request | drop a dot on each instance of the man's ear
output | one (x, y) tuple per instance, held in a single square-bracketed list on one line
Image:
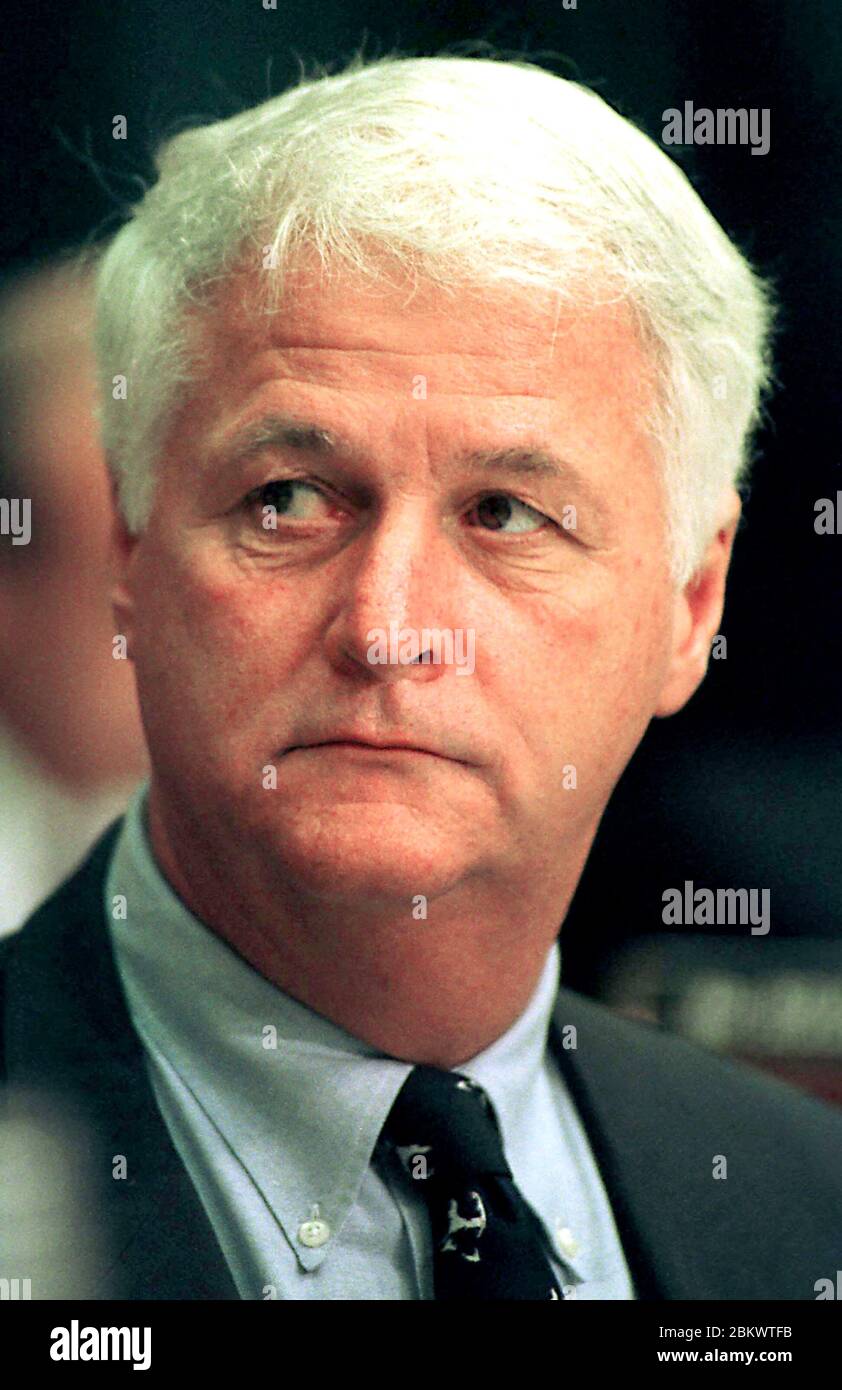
[(123, 545), (698, 611)]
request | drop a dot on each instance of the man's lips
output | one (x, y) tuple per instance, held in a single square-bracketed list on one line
[(366, 745), (363, 747)]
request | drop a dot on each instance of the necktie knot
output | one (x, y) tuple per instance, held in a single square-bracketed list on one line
[(443, 1126)]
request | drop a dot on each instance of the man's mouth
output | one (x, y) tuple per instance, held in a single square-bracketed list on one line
[(363, 746), (357, 742)]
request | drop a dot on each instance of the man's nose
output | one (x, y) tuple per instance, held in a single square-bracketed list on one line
[(402, 577)]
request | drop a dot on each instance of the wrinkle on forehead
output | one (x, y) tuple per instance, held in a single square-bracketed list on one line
[(531, 333)]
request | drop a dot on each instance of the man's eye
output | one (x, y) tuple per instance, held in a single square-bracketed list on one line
[(281, 496), (294, 499), (497, 508)]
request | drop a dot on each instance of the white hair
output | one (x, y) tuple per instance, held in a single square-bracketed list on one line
[(469, 171)]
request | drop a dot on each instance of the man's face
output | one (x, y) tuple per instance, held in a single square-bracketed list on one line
[(251, 644)]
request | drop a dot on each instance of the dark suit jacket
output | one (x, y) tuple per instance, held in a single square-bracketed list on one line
[(656, 1109)]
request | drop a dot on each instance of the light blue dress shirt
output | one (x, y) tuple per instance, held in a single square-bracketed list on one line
[(276, 1111)]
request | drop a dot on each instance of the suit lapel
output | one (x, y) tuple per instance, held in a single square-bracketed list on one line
[(69, 1031), (612, 1092), (657, 1112)]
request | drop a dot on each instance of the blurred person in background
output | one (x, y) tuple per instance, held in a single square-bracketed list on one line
[(70, 738)]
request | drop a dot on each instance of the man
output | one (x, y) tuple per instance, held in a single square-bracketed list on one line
[(430, 357), (71, 745)]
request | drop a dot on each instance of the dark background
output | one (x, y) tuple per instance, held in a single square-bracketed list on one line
[(743, 788)]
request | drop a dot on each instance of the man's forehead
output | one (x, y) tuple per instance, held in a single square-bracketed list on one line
[(350, 311), (521, 340)]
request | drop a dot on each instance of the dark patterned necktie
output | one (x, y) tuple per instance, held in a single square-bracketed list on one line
[(487, 1241)]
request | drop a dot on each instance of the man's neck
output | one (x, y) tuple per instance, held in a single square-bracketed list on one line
[(435, 989)]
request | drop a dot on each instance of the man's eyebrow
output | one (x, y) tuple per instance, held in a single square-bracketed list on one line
[(291, 432), (285, 431)]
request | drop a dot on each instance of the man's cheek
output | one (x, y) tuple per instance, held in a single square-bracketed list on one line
[(237, 665)]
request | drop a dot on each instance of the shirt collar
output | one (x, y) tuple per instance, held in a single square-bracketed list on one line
[(257, 1060)]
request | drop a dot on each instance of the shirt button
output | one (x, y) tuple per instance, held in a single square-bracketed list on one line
[(566, 1241), (314, 1232)]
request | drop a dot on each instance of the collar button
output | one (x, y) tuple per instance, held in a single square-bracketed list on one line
[(314, 1232)]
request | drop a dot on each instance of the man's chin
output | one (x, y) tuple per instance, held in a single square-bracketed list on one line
[(373, 851)]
